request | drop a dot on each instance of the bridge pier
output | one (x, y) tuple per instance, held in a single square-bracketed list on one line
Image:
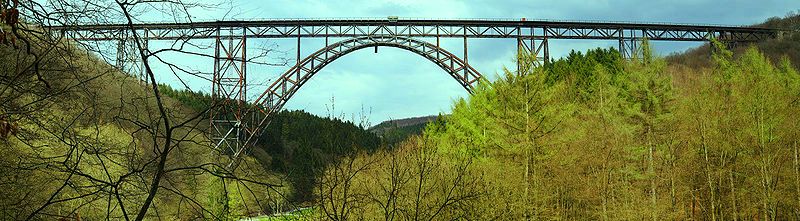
[(466, 58), (630, 43), (229, 90), (536, 47), (630, 49), (129, 60)]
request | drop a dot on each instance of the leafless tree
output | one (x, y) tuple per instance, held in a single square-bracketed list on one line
[(411, 182), (338, 198), (85, 168)]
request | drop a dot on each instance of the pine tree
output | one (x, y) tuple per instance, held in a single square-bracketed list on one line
[(652, 93)]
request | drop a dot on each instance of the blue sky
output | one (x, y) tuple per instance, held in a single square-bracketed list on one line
[(396, 84)]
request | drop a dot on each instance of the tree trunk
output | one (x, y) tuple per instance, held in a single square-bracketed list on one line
[(606, 183), (765, 187), (733, 195), (765, 179), (527, 153), (708, 171), (526, 179), (796, 178), (672, 185), (652, 173)]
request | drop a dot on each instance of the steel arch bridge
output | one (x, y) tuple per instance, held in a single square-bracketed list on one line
[(287, 84), (235, 124), (279, 92)]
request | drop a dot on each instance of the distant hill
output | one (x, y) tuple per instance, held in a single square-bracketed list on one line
[(395, 131), (787, 45), (405, 122)]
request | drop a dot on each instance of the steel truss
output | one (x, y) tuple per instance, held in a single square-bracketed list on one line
[(538, 49), (424, 28), (229, 90), (129, 60)]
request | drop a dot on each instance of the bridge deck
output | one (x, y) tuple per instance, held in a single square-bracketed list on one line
[(420, 28)]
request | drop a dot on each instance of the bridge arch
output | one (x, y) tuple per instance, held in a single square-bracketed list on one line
[(283, 88)]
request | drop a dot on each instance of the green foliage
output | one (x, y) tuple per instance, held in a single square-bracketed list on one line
[(578, 71), (595, 137), (302, 145), (197, 101), (746, 117), (296, 143), (786, 45)]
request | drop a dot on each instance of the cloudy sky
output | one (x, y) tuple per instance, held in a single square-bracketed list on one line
[(396, 84)]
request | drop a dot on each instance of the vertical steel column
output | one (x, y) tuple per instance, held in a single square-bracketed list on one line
[(140, 63), (326, 41), (546, 42), (629, 46), (217, 132), (121, 54), (243, 77), (519, 51), (298, 52), (437, 41), (528, 46), (129, 59), (466, 60), (636, 47), (214, 90), (522, 52), (543, 51), (728, 39), (621, 47)]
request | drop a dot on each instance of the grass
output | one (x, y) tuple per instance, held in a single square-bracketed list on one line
[(297, 215)]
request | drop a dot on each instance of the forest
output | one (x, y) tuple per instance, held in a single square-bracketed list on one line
[(595, 137), (592, 136), (296, 143)]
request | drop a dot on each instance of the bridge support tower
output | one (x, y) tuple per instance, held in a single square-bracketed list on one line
[(536, 47), (129, 60), (630, 44), (229, 90)]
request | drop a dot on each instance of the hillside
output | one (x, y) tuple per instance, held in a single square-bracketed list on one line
[(86, 140), (296, 144), (787, 45), (395, 131), (405, 122)]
